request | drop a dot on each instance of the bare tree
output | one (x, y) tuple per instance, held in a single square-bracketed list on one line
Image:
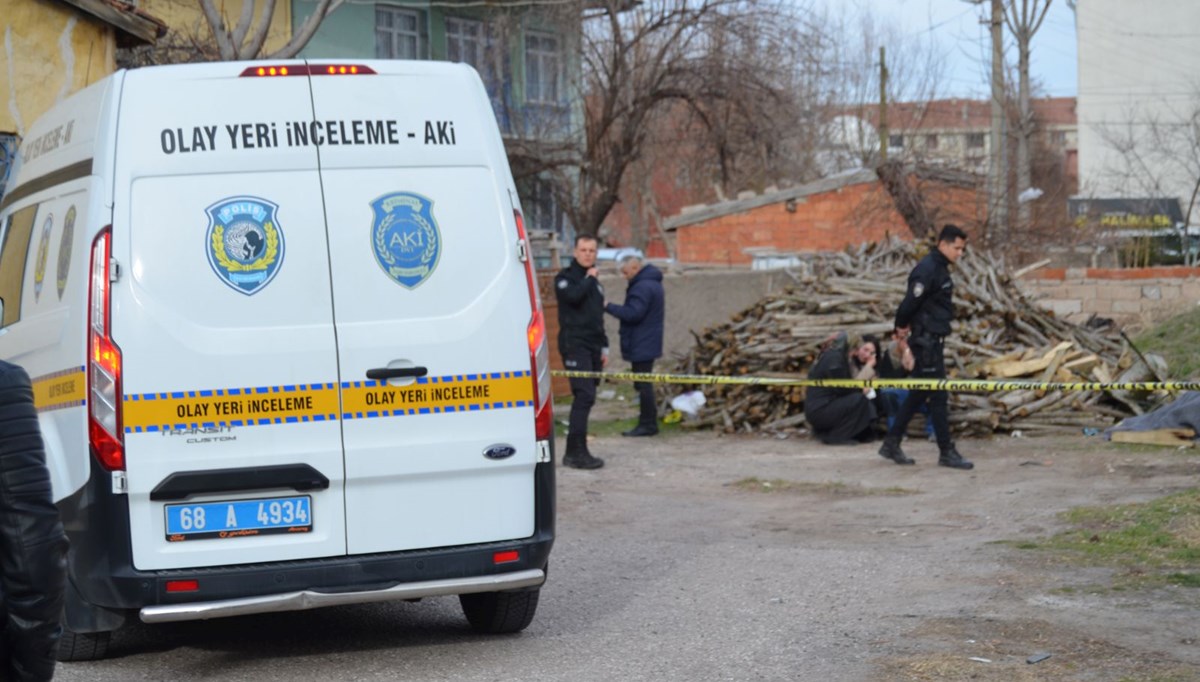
[(1024, 18), (850, 53), (658, 64), (213, 39)]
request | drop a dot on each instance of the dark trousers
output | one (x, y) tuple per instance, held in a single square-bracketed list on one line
[(647, 407), (583, 391), (928, 352)]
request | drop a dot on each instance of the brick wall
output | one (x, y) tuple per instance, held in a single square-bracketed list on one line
[(1127, 295), (829, 221)]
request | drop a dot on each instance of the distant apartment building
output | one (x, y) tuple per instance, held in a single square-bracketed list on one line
[(957, 132)]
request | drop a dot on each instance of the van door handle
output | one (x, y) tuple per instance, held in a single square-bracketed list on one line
[(384, 373)]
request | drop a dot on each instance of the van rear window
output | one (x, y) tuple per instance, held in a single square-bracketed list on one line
[(14, 254)]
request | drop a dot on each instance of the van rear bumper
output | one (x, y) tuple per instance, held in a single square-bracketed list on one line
[(105, 588), (310, 599)]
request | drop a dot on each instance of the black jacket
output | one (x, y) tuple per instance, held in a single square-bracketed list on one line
[(580, 310), (33, 547), (642, 316), (928, 305)]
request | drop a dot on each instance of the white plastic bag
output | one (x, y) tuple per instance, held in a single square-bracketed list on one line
[(689, 403)]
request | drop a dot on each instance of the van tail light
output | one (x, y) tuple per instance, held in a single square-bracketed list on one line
[(104, 362), (539, 349)]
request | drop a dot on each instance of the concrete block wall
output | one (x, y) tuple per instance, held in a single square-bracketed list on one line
[(1127, 295)]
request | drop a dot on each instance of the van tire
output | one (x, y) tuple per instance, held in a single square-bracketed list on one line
[(83, 646), (498, 613)]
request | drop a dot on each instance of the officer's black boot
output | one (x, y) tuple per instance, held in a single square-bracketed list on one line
[(950, 458), (577, 455), (891, 450)]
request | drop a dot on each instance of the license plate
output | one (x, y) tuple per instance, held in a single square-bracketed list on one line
[(239, 518)]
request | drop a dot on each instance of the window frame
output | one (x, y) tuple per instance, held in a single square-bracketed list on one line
[(536, 59), (17, 260), (419, 33)]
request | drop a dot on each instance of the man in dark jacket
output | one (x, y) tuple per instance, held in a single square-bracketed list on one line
[(924, 319), (582, 343), (33, 547), (641, 331)]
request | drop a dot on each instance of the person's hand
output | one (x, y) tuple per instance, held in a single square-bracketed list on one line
[(593, 271), (603, 361)]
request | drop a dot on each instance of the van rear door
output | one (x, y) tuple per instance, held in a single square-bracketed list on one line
[(222, 312), (431, 309)]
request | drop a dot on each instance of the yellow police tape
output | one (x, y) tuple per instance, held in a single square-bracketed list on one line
[(957, 385)]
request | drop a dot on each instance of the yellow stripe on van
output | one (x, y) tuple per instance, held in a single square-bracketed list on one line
[(150, 412), (436, 395), (60, 390), (154, 412)]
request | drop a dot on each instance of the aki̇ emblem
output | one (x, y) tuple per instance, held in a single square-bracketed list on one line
[(64, 251), (39, 268), (245, 243), (405, 237)]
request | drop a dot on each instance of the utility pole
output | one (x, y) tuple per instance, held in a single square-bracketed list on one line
[(883, 124), (998, 169)]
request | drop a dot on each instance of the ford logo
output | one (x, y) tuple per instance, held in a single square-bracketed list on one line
[(499, 451)]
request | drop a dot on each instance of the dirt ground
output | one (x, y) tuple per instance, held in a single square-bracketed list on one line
[(995, 604)]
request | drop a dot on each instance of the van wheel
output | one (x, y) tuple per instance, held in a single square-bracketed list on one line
[(83, 646), (498, 613)]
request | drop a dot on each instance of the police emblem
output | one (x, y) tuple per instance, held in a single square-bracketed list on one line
[(918, 289), (39, 268), (405, 237), (64, 251), (244, 243)]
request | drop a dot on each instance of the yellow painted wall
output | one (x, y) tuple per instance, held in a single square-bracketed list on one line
[(48, 51), (185, 18)]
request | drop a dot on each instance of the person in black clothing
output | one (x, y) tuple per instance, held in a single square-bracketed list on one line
[(582, 343), (641, 331), (923, 318), (840, 416), (33, 546)]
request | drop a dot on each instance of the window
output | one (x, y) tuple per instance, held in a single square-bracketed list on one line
[(469, 42), (399, 33), (931, 142), (544, 214), (14, 253), (8, 155), (896, 141), (975, 140), (543, 66), (1058, 138)]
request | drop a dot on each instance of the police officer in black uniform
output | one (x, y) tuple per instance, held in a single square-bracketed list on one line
[(582, 343), (924, 318)]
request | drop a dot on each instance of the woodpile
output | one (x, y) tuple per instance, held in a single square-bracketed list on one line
[(998, 334)]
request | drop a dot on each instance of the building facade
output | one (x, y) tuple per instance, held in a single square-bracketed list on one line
[(52, 49), (1139, 104), (527, 55)]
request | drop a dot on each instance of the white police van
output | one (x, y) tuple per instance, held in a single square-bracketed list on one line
[(286, 343)]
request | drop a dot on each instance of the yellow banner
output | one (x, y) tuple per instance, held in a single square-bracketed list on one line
[(60, 390), (432, 395), (152, 412), (230, 407)]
